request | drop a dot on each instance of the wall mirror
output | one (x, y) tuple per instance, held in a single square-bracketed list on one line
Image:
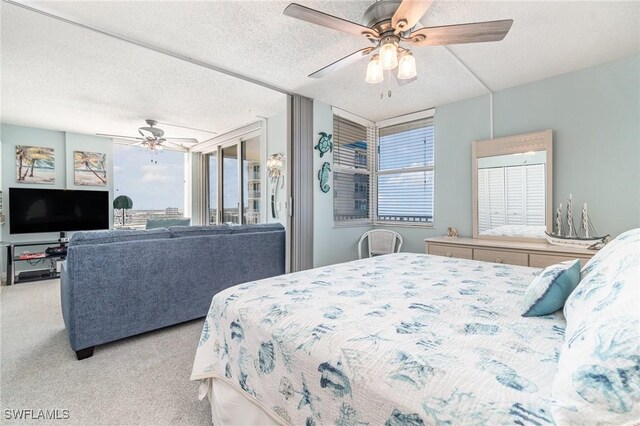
[(512, 186)]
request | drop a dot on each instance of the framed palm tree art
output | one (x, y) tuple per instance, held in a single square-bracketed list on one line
[(35, 164), (89, 168)]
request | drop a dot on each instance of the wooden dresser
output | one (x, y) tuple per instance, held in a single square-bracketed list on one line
[(539, 255)]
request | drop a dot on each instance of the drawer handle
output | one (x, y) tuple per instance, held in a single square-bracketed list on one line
[(499, 260), (448, 254)]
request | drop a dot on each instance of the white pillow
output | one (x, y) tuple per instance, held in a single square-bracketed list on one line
[(598, 379)]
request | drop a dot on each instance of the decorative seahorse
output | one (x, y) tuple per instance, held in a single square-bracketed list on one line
[(323, 177)]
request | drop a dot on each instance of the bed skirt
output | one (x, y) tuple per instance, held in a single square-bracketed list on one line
[(230, 406)]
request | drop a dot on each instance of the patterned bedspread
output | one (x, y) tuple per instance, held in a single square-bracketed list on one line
[(524, 231), (402, 339)]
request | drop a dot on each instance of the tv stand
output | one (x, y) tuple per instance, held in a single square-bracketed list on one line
[(33, 275)]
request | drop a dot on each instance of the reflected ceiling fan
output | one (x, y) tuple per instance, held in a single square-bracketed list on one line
[(153, 138), (389, 25)]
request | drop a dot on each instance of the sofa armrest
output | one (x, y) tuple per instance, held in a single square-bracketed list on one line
[(66, 301)]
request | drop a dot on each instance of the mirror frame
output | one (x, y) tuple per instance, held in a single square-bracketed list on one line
[(537, 141)]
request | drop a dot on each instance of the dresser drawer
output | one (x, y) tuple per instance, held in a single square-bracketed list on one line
[(544, 260), (497, 256), (448, 251)]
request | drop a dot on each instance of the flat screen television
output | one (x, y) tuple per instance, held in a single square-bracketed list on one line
[(57, 210)]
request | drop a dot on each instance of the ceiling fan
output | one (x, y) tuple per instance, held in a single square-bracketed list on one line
[(391, 23), (153, 138)]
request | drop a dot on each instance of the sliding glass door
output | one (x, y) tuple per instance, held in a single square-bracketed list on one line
[(230, 187), (235, 182), (212, 187), (251, 181)]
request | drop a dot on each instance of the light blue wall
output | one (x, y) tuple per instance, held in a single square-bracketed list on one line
[(277, 143), (64, 144), (330, 244), (595, 117)]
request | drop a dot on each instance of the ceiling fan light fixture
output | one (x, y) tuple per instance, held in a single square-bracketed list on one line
[(407, 66), (389, 55), (374, 71)]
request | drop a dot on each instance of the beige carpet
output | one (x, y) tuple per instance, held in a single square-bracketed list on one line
[(143, 380)]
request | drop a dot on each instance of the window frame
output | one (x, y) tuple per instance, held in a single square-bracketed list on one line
[(420, 115), (371, 133), (217, 144)]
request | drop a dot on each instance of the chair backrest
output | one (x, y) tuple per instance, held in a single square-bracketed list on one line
[(380, 241)]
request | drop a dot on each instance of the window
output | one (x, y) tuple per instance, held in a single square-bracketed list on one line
[(154, 180), (404, 172), (511, 195), (235, 181), (351, 179)]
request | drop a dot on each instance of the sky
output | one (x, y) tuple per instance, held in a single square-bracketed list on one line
[(153, 180)]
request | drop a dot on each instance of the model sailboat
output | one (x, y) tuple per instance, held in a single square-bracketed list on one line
[(586, 237)]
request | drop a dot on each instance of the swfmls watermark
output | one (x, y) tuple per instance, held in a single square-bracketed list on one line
[(36, 414)]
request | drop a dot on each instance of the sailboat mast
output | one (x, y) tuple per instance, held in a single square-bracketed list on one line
[(559, 220), (585, 220), (570, 216)]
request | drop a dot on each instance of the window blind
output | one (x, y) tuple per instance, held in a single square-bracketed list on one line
[(351, 179), (513, 195), (405, 172), (535, 203), (484, 214)]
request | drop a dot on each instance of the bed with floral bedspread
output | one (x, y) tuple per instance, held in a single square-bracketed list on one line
[(402, 339)]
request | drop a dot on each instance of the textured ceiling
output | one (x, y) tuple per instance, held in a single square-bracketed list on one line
[(67, 76)]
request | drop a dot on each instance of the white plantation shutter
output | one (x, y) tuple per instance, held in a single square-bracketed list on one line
[(405, 170), (351, 163), (535, 194), (496, 197), (484, 214), (514, 195)]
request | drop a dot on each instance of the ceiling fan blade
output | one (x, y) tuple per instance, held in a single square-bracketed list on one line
[(313, 16), (183, 140), (464, 33), (171, 145), (340, 63), (409, 13), (118, 136), (186, 127)]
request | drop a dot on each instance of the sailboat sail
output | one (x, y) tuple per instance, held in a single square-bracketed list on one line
[(585, 237)]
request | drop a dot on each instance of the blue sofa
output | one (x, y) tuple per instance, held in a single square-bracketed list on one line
[(116, 284)]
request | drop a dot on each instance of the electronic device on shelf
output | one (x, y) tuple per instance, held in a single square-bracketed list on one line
[(34, 210), (27, 256), (56, 251)]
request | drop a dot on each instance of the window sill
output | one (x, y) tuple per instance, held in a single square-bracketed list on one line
[(358, 224), (403, 225)]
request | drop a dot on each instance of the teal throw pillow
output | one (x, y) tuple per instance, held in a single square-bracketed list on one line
[(549, 291)]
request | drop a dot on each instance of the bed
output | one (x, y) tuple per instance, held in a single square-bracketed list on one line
[(401, 339), (520, 231)]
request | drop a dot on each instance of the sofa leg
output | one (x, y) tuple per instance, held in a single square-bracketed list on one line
[(85, 353)]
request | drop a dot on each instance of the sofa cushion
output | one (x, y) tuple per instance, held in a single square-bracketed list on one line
[(262, 227), (153, 223), (193, 231), (117, 235)]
